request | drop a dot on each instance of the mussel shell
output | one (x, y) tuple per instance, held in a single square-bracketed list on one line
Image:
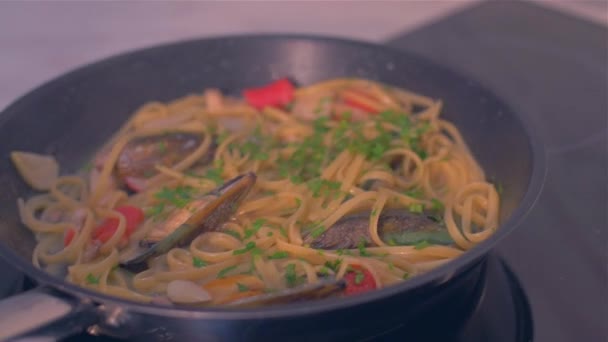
[(139, 157), (213, 211), (397, 226)]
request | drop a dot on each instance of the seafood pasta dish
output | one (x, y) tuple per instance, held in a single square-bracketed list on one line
[(281, 194)]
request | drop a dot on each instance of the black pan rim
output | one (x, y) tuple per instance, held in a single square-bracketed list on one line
[(437, 275)]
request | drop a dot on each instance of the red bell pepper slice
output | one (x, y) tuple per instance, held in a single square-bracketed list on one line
[(276, 94), (133, 217), (69, 236), (353, 97), (358, 280)]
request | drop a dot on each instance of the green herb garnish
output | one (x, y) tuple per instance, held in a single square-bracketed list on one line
[(242, 287), (155, 210), (290, 275), (362, 250), (249, 246), (255, 226), (317, 231), (91, 279), (333, 265), (179, 197), (198, 262), (279, 255), (359, 277), (233, 233), (422, 244), (222, 273), (416, 208), (215, 175), (437, 205)]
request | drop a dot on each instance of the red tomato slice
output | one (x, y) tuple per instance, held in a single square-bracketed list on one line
[(359, 280), (69, 236), (134, 216)]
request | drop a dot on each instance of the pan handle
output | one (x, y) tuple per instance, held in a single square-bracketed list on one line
[(44, 314)]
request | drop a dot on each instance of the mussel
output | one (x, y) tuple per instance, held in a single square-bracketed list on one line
[(203, 214), (322, 289), (395, 227), (138, 158)]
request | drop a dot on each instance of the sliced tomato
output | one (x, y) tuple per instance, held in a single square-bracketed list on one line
[(358, 280), (276, 94), (134, 216), (68, 236)]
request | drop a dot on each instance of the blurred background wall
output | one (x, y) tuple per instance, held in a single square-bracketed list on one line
[(40, 40)]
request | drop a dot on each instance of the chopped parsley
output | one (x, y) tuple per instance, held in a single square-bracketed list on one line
[(198, 262), (248, 247), (91, 279), (290, 275), (437, 205), (233, 233), (179, 197), (324, 271), (324, 187), (415, 193), (422, 244), (255, 226), (317, 231), (499, 188), (416, 208), (374, 212), (214, 174), (222, 273), (359, 277), (333, 265), (392, 242), (362, 250), (155, 210), (242, 287), (278, 255), (405, 276)]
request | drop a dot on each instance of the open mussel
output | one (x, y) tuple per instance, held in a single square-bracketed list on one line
[(395, 227), (137, 160), (200, 215)]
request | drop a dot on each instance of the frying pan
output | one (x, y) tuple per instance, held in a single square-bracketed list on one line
[(74, 114)]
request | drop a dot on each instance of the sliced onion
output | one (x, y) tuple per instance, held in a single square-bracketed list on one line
[(186, 292)]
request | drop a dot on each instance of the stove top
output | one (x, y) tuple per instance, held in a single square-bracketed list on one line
[(502, 314)]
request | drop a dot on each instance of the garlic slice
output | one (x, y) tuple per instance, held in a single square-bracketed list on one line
[(186, 292), (37, 170)]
